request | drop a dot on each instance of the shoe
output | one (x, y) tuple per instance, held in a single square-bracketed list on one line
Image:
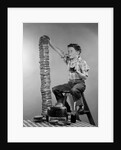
[(81, 108)]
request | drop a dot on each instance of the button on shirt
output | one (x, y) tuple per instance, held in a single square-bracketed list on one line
[(76, 64)]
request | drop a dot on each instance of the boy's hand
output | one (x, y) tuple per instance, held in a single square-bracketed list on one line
[(45, 36), (44, 39)]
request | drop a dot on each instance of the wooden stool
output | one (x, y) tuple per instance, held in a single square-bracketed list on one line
[(65, 93), (86, 108)]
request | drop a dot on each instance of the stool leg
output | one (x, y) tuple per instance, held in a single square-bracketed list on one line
[(66, 104), (65, 97), (89, 115), (71, 102)]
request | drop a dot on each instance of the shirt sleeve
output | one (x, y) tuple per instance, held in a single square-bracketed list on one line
[(82, 67), (85, 68), (65, 58)]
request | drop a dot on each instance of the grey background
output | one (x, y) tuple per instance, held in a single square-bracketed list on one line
[(61, 34)]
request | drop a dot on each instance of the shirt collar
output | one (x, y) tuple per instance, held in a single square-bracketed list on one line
[(78, 57)]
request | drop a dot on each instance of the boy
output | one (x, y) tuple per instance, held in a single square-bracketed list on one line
[(78, 73)]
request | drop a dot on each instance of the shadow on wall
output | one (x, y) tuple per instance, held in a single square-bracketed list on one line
[(61, 34)]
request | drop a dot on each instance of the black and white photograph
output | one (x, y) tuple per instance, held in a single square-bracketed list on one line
[(60, 71), (60, 74)]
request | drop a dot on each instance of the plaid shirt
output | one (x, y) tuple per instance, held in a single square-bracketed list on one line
[(76, 64)]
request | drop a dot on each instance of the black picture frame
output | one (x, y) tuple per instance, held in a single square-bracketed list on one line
[(3, 9)]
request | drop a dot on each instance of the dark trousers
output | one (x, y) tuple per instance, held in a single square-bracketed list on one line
[(75, 87)]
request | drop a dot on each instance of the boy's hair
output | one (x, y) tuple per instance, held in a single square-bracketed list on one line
[(75, 46)]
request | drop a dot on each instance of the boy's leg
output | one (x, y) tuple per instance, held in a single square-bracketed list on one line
[(77, 90), (58, 91)]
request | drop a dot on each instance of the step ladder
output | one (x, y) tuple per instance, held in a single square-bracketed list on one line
[(86, 108)]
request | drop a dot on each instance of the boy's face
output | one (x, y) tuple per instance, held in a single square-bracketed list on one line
[(72, 52)]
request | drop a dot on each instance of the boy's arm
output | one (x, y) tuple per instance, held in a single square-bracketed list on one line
[(82, 75), (83, 71), (59, 51)]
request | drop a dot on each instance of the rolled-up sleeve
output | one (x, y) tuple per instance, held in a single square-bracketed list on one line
[(85, 68)]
